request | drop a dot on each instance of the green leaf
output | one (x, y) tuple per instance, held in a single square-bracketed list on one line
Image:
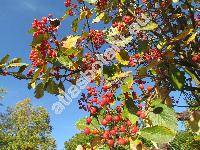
[(109, 71), (81, 124), (75, 25), (22, 68), (39, 90), (142, 71), (123, 1), (157, 134), (98, 18), (31, 31), (162, 115), (66, 14), (127, 83), (4, 59), (193, 76), (142, 46), (36, 75), (52, 87), (177, 78), (126, 114), (64, 60), (41, 37)]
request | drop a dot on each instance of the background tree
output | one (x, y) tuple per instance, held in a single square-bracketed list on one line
[(26, 128), (149, 52)]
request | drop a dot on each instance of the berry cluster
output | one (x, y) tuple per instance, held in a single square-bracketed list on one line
[(38, 56), (127, 19), (42, 27), (35, 57), (152, 54), (97, 37), (120, 26), (115, 128)]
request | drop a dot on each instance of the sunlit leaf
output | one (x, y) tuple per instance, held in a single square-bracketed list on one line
[(17, 65), (132, 117), (182, 35), (70, 42), (91, 1), (158, 134), (98, 18), (81, 124), (127, 84), (162, 115)]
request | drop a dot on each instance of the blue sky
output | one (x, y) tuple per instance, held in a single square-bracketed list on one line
[(15, 19)]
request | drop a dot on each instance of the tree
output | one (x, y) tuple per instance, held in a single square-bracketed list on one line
[(26, 128), (78, 139), (133, 57)]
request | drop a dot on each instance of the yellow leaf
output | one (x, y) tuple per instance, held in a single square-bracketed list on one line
[(161, 44), (150, 26), (122, 57), (98, 18), (182, 35), (136, 145), (121, 75), (191, 38), (175, 1), (70, 42)]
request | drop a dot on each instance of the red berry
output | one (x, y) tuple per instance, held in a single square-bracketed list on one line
[(88, 120), (104, 122), (105, 88), (110, 142), (93, 110), (116, 118), (137, 56), (129, 123), (108, 118), (122, 129), (149, 88), (141, 86), (94, 132), (121, 141), (132, 63), (87, 131), (140, 105), (113, 132), (134, 129), (142, 115), (139, 113), (106, 134)]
